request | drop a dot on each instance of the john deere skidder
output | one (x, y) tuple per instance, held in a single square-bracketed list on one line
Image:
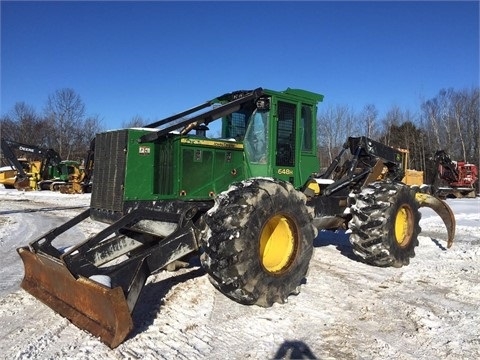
[(249, 203)]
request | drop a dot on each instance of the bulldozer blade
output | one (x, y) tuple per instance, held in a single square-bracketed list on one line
[(442, 209), (96, 308)]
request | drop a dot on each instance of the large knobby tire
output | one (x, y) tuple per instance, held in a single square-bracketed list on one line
[(385, 224), (258, 241)]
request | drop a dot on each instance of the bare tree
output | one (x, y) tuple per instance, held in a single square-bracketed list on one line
[(465, 113), (368, 119), (472, 110), (458, 114), (136, 121), (22, 124), (393, 117), (334, 126), (83, 135), (66, 111), (452, 123), (64, 126)]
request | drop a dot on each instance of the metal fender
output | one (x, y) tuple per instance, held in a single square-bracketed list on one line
[(442, 209)]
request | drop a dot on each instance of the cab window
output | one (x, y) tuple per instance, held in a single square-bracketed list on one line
[(306, 128), (286, 135), (256, 139)]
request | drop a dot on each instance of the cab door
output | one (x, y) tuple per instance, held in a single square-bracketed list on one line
[(294, 142), (284, 140)]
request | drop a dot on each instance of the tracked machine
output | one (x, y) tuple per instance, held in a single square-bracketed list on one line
[(48, 173), (249, 204)]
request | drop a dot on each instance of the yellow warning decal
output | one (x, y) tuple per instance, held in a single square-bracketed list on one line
[(213, 143)]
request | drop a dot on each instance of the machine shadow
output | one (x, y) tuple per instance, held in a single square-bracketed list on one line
[(294, 349), (152, 297), (337, 238)]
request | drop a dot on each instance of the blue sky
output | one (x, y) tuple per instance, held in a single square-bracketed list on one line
[(154, 59)]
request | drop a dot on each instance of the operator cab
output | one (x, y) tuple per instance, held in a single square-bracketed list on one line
[(278, 132)]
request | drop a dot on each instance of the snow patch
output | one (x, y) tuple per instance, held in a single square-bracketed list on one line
[(346, 310)]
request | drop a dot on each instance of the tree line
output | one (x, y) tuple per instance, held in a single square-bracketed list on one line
[(64, 125), (449, 121)]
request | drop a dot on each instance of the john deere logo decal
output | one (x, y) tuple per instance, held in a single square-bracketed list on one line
[(144, 150)]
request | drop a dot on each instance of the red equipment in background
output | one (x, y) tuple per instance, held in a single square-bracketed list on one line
[(454, 178)]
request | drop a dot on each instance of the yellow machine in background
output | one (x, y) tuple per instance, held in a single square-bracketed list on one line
[(49, 173), (412, 177), (8, 175)]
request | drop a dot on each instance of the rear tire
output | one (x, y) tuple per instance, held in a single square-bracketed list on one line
[(258, 241), (385, 224)]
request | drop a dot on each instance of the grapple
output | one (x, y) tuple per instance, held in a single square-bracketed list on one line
[(72, 282), (442, 209)]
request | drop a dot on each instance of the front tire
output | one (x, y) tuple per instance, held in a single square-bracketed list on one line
[(258, 241), (385, 224)]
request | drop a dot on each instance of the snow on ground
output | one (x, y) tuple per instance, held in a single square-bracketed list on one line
[(346, 309)]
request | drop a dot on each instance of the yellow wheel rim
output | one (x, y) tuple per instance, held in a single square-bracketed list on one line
[(404, 226), (278, 242)]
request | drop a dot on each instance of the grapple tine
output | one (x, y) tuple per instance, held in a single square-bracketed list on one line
[(89, 305), (442, 209)]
